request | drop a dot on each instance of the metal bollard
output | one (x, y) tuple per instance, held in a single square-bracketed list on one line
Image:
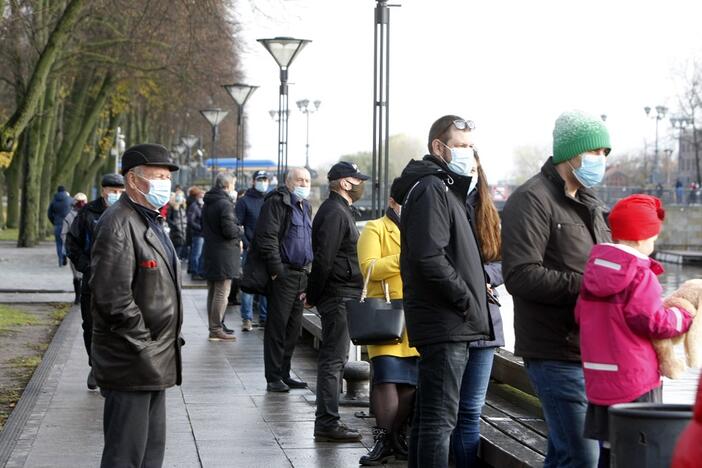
[(357, 377)]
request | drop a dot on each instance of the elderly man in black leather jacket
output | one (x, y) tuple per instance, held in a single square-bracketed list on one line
[(137, 312)]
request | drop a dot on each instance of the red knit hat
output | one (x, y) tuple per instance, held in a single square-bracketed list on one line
[(636, 217)]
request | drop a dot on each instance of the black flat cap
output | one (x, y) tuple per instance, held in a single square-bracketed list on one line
[(146, 154), (112, 180), (345, 169)]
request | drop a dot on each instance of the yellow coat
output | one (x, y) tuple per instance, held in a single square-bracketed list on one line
[(380, 241)]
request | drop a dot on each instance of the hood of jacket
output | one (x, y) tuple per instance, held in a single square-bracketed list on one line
[(283, 192), (216, 194), (61, 196), (431, 165), (612, 267)]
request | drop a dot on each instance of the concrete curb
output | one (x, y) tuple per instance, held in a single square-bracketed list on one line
[(37, 385)]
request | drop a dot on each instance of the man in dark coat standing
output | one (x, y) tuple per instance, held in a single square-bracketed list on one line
[(137, 312), (222, 251), (283, 241), (59, 207), (335, 279), (445, 290), (79, 242), (248, 209)]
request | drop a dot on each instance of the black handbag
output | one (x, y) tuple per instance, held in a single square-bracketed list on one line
[(374, 321)]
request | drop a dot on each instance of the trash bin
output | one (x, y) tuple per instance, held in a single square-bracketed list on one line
[(643, 435)]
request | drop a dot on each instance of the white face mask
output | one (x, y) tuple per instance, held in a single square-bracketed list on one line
[(462, 159), (261, 186), (233, 195)]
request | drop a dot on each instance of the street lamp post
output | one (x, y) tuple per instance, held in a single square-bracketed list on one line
[(119, 147), (179, 150), (660, 115), (240, 93), (214, 116), (189, 141), (284, 50), (305, 108)]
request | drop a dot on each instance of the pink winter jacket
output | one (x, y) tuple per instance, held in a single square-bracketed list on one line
[(619, 310)]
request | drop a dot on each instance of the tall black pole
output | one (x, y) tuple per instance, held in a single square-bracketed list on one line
[(283, 125), (214, 154), (381, 118)]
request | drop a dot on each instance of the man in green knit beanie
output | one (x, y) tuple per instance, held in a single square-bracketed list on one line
[(549, 226)]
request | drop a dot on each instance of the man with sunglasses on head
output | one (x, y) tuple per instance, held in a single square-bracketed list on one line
[(445, 291), (335, 278), (549, 225)]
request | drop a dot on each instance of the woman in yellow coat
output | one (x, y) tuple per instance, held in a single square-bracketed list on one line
[(394, 366)]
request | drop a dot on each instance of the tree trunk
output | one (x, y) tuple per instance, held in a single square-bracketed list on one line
[(11, 130), (13, 177), (2, 181), (48, 154), (31, 184)]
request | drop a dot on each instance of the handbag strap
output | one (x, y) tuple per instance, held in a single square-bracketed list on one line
[(386, 288)]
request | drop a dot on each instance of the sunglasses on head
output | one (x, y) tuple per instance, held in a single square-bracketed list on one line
[(461, 124)]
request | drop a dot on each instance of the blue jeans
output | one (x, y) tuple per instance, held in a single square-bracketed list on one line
[(59, 243), (466, 436), (441, 369), (195, 266), (248, 299), (560, 386)]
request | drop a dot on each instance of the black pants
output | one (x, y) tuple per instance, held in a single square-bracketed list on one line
[(86, 315), (441, 368), (333, 354), (135, 429), (283, 323)]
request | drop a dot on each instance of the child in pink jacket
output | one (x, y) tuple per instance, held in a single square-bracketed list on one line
[(619, 311)]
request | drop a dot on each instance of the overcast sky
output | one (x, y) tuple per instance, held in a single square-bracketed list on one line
[(510, 65)]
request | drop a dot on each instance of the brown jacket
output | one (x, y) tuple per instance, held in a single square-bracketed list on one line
[(136, 304)]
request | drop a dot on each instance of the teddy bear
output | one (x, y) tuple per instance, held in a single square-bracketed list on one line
[(688, 297)]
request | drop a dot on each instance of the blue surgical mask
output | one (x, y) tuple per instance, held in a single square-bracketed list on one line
[(261, 186), (112, 198), (591, 170), (179, 198), (159, 191), (302, 192), (462, 160)]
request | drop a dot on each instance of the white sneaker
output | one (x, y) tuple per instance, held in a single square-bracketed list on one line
[(246, 325)]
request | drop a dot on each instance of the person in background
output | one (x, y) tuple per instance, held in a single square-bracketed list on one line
[(394, 366), (59, 207), (195, 227), (485, 220), (177, 220), (222, 251), (549, 226), (619, 311), (79, 242), (335, 278), (248, 209), (679, 192), (79, 201), (283, 242), (137, 311)]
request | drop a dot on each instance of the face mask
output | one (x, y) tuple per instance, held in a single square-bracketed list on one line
[(200, 201), (473, 183), (159, 191), (302, 192), (179, 199), (233, 195), (261, 186), (591, 170), (356, 192), (462, 160), (112, 198)]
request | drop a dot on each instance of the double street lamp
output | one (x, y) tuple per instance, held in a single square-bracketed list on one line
[(660, 115), (214, 117), (284, 50), (240, 93), (307, 109)]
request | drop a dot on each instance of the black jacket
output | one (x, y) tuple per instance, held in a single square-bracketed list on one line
[(222, 235), (178, 223), (79, 239), (546, 241), (136, 304), (248, 209), (195, 219), (445, 295), (335, 270), (59, 207)]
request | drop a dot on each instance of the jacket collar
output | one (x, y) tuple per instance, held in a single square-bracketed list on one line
[(584, 195), (339, 199), (392, 229)]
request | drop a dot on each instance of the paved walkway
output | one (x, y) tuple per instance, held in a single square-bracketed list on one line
[(220, 417)]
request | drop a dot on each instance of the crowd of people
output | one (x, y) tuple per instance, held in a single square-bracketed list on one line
[(582, 283)]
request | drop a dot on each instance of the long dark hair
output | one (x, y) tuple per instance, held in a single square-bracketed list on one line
[(487, 220)]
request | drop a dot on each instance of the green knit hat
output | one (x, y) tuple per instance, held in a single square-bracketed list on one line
[(576, 132)]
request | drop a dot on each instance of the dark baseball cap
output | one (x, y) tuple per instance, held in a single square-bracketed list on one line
[(146, 154), (260, 175), (345, 169), (112, 180)]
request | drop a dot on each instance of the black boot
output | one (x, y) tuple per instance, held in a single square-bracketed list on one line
[(399, 444), (382, 449), (76, 288)]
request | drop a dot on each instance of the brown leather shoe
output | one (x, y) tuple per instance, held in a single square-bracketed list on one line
[(221, 336)]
